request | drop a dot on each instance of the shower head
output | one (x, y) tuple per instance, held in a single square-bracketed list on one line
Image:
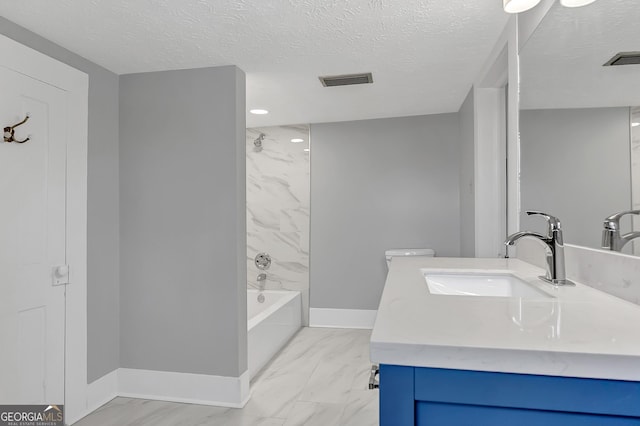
[(257, 143)]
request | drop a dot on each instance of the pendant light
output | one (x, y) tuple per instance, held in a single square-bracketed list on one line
[(517, 6), (575, 3)]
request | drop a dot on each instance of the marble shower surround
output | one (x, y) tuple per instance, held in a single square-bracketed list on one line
[(278, 189)]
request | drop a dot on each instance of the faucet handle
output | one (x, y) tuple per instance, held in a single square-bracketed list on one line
[(552, 221), (613, 222)]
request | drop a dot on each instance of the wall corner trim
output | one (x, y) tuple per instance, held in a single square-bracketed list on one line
[(102, 390), (342, 318)]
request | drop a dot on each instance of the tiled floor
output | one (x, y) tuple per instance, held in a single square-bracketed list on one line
[(320, 378)]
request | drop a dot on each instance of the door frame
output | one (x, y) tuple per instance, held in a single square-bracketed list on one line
[(37, 65), (496, 133)]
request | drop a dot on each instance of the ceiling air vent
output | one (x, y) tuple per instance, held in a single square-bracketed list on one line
[(346, 79), (624, 58)]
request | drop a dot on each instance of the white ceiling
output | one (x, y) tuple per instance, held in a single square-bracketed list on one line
[(424, 54), (561, 64)]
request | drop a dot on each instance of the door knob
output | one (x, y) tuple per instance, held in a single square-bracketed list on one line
[(61, 275), (62, 271)]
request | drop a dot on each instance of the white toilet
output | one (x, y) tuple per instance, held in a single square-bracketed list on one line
[(374, 378), (391, 253)]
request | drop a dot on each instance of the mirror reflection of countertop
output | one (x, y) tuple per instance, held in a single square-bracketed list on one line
[(568, 331)]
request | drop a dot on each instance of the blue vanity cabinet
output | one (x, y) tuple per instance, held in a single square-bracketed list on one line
[(441, 397)]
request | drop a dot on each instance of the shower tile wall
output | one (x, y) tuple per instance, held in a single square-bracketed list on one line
[(278, 208), (635, 172)]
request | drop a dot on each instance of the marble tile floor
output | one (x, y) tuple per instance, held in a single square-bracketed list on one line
[(320, 378)]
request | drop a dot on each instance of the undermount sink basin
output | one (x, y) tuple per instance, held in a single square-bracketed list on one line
[(483, 285)]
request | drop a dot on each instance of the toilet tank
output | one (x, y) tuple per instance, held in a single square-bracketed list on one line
[(391, 253)]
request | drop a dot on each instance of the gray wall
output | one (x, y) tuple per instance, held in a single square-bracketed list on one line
[(182, 218), (375, 185), (575, 164), (467, 178), (103, 263)]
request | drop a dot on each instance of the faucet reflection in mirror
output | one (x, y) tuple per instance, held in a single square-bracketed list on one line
[(611, 238), (556, 274)]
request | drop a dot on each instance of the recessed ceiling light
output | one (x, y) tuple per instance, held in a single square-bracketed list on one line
[(635, 124), (259, 111), (306, 150), (297, 140)]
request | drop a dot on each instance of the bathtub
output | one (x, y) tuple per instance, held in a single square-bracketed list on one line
[(270, 324)]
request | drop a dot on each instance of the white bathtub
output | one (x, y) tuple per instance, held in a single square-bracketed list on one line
[(270, 324)]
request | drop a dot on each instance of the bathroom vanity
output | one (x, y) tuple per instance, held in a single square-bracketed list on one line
[(486, 342)]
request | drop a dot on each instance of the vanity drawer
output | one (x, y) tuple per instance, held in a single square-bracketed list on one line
[(528, 391)]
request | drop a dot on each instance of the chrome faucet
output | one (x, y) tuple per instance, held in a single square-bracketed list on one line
[(555, 248), (611, 238)]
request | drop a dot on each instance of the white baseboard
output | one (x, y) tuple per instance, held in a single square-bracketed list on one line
[(342, 318), (201, 389)]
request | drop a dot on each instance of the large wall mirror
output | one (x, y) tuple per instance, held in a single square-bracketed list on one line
[(580, 120)]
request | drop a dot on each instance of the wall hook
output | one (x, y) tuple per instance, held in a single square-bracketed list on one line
[(9, 132)]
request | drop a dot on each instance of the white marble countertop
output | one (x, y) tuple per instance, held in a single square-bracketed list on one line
[(577, 332)]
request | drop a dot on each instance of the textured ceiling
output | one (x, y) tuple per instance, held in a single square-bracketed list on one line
[(424, 54), (561, 64)]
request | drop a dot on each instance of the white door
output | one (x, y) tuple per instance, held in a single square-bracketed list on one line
[(32, 241)]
